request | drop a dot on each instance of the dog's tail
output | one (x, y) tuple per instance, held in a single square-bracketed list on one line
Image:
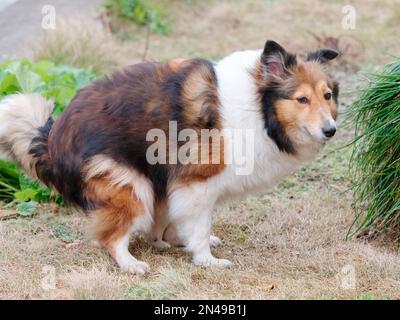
[(25, 123)]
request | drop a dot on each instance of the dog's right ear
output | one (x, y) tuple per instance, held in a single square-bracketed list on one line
[(276, 60), (322, 55)]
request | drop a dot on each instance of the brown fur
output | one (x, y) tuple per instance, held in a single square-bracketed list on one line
[(213, 162), (301, 79), (112, 117), (110, 181), (313, 84), (119, 208)]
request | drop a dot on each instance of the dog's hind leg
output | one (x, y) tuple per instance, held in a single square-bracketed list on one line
[(118, 214), (159, 226)]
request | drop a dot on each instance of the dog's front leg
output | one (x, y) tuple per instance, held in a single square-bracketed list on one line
[(190, 209)]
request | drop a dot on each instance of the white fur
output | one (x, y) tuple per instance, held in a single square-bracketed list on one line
[(20, 117), (240, 109), (126, 261), (190, 210), (191, 207)]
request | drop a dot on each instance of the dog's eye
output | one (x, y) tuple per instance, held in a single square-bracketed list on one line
[(302, 100), (328, 96)]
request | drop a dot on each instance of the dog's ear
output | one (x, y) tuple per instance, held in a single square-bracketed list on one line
[(276, 60), (322, 55)]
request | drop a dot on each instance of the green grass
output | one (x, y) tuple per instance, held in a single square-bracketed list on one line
[(375, 160)]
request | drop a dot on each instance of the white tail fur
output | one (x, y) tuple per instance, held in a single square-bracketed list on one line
[(20, 117)]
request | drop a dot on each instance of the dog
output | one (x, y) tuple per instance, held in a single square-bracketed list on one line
[(100, 154)]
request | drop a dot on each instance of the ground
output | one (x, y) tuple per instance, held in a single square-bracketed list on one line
[(289, 242)]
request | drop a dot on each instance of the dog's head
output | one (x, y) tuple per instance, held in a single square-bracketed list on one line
[(298, 98)]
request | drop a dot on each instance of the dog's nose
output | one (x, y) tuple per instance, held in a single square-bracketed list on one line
[(329, 131)]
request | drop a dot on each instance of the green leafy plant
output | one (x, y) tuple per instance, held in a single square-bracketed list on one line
[(139, 12), (375, 162), (64, 232), (15, 186), (27, 209), (54, 82), (59, 83)]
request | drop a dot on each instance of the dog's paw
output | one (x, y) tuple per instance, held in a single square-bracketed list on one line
[(135, 267), (208, 261), (160, 244), (215, 241)]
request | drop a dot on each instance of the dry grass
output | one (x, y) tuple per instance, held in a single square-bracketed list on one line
[(287, 243), (214, 28), (83, 43)]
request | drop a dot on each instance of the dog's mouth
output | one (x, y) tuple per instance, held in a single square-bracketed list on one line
[(321, 140)]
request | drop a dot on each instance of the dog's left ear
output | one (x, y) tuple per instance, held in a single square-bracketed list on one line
[(322, 55), (276, 60)]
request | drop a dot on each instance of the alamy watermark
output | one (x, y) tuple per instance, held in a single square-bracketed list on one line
[(206, 146), (48, 17), (349, 19), (347, 277), (49, 280)]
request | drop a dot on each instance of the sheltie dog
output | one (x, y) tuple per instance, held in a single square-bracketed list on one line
[(113, 153)]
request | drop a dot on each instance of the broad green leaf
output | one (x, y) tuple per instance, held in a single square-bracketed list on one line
[(10, 169), (25, 195), (63, 96), (42, 68), (5, 64), (27, 209), (43, 194), (79, 77), (28, 80), (26, 183), (83, 78), (8, 83), (13, 66)]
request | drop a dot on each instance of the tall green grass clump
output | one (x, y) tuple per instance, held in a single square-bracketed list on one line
[(375, 161)]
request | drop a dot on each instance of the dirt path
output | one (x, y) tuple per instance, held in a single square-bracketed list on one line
[(20, 22)]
